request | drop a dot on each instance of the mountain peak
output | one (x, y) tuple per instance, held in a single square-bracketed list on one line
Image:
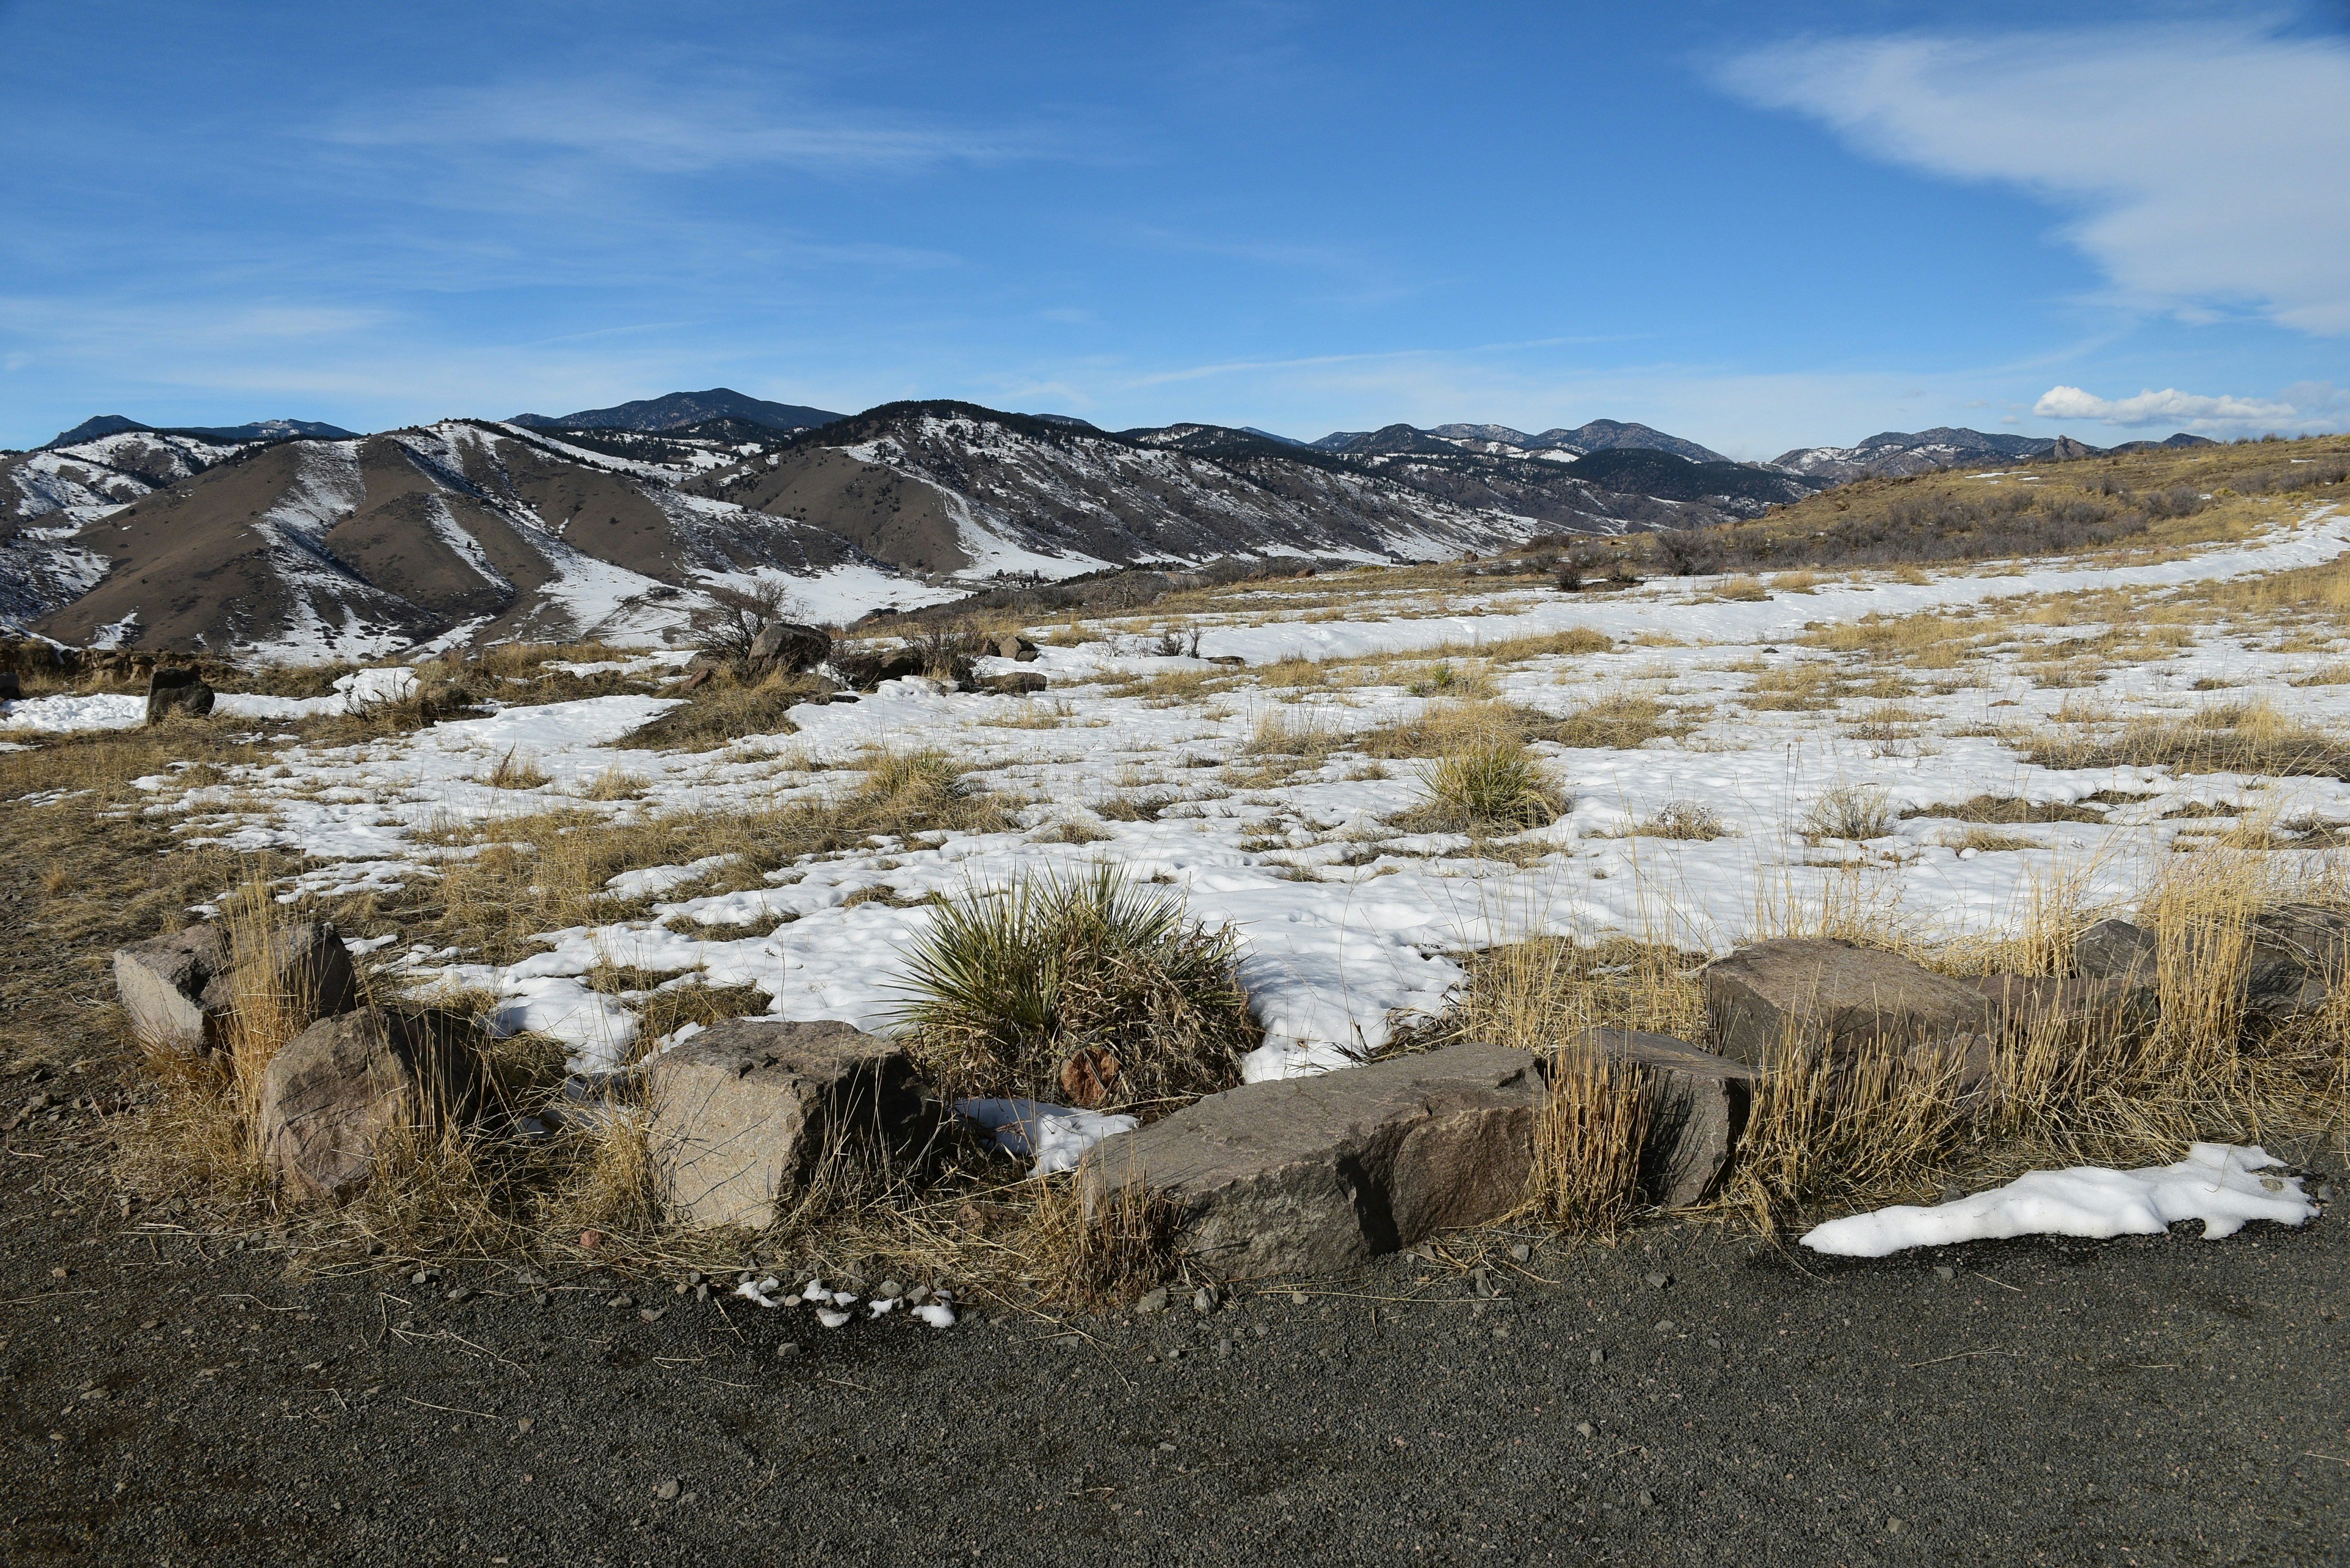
[(675, 410)]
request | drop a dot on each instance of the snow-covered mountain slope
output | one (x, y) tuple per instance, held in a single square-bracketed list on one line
[(447, 531), (1899, 452), (90, 476), (1557, 445), (954, 489), (680, 409)]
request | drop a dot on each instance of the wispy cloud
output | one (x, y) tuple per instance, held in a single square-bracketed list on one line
[(617, 124), (2316, 406), (2202, 164)]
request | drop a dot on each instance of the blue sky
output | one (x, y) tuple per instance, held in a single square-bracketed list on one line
[(1757, 227)]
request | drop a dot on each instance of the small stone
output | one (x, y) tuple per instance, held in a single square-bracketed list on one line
[(918, 1295), (1952, 1193), (1659, 1281), (1223, 1348), (1598, 1358), (1503, 1332), (1153, 1300), (1586, 1429), (1297, 1298), (1520, 1252), (1261, 1331), (2325, 1192), (1894, 1527), (1203, 1300), (1647, 1498), (666, 1491), (421, 1277), (524, 1425), (59, 1273), (541, 1298), (623, 1302), (1669, 1326), (651, 1315), (1481, 1281), (889, 1288), (1944, 1272), (788, 1351), (460, 1294), (591, 1239), (148, 1324)]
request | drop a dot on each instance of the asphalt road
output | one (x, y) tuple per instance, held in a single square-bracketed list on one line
[(2150, 1400)]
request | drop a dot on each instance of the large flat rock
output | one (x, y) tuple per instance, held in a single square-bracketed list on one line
[(743, 1113), (178, 989), (1845, 997), (1316, 1175)]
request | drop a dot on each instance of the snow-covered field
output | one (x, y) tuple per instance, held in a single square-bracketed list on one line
[(1349, 922)]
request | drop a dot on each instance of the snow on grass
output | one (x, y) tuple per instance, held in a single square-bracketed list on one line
[(1348, 920), (2219, 1184)]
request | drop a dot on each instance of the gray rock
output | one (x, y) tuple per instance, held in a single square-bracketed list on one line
[(1011, 645), (2114, 950), (743, 1111), (178, 989), (666, 1491), (174, 688), (2078, 1008), (1845, 997), (164, 983), (335, 1091), (787, 646), (1015, 683), (1316, 1175), (1701, 1102), (2299, 953), (1520, 1252)]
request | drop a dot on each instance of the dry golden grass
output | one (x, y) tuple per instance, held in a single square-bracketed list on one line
[(2252, 736), (1589, 1134)]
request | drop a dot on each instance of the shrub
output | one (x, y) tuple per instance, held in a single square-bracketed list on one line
[(1489, 783), (1009, 987), (1850, 812)]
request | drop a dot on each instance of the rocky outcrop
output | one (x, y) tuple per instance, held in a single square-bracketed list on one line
[(746, 1111), (1318, 1174), (787, 647), (178, 989), (2073, 1009), (1013, 683), (336, 1093), (2299, 953), (1011, 645), (175, 689)]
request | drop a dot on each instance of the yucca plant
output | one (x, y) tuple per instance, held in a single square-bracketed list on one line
[(1084, 985)]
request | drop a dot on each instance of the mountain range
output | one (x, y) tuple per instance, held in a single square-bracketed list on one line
[(1897, 453), (295, 540)]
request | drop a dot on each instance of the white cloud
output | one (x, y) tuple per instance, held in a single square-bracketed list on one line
[(2319, 409), (2203, 163)]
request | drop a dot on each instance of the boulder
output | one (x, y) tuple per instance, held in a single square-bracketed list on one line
[(789, 646), (698, 679), (1229, 660), (1844, 996), (12, 686), (2025, 1003), (2112, 949), (2298, 953), (745, 1110), (1016, 683), (175, 988), (1318, 1174), (1011, 645), (1701, 1104), (175, 689), (335, 1091), (178, 989)]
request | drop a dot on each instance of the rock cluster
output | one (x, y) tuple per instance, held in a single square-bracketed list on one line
[(178, 989)]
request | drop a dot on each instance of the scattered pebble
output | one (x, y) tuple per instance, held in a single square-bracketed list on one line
[(1944, 1272), (1153, 1300), (1586, 1429), (666, 1491), (524, 1425), (1647, 1498), (1894, 1527), (1667, 1325), (1520, 1252), (1598, 1357), (651, 1315), (890, 1288), (1203, 1300), (591, 1239), (788, 1351), (622, 1300), (1297, 1298), (1659, 1281)]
